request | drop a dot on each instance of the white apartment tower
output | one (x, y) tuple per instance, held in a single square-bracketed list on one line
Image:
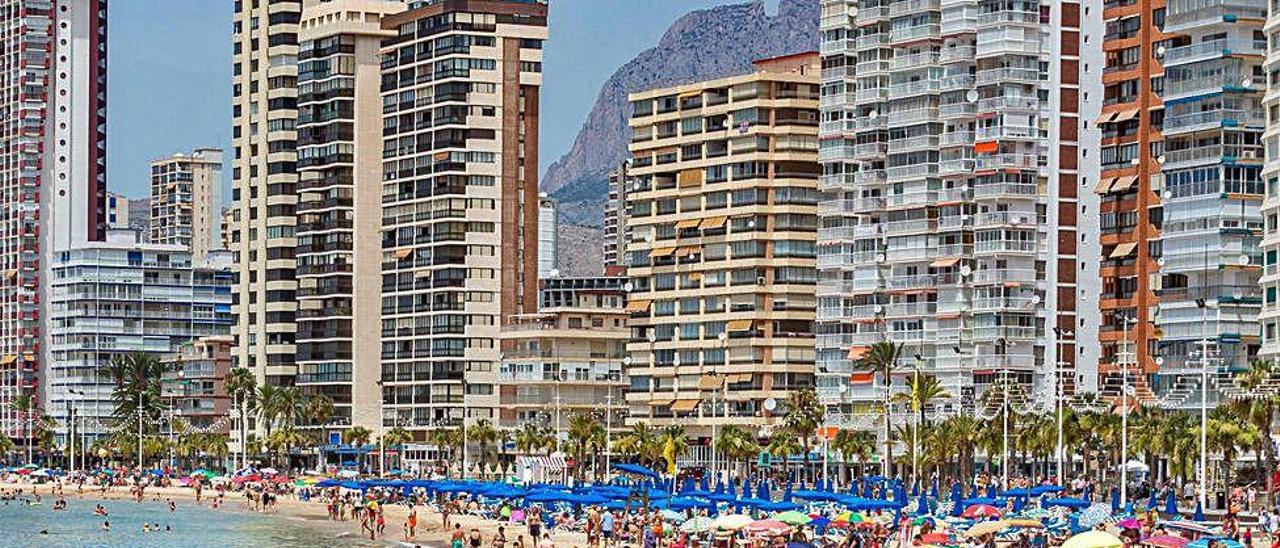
[(956, 143)]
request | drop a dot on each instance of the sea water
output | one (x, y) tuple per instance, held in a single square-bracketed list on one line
[(21, 525)]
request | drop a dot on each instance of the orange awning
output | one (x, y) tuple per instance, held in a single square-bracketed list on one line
[(738, 325), (661, 252), (1125, 115), (9, 358), (738, 377), (687, 223), (1104, 185), (712, 222), (1123, 250), (1106, 117), (857, 352), (945, 262), (986, 147), (402, 253), (1124, 183), (638, 305), (685, 405), (695, 276), (710, 382), (947, 316), (661, 402), (858, 378), (688, 250), (689, 178)]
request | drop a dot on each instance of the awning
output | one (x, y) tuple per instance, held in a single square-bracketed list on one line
[(738, 377), (738, 325), (861, 378), (690, 178), (1106, 118), (858, 352), (11, 273), (1125, 115), (639, 305), (662, 252), (9, 358), (402, 253), (986, 147), (712, 222), (687, 223), (1124, 183), (685, 405), (1104, 186), (688, 250), (1123, 250), (710, 382), (29, 356), (660, 402), (947, 316), (945, 262), (695, 276), (689, 94)]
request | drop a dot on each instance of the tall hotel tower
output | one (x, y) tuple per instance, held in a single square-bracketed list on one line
[(958, 156), (53, 92), (264, 186), (460, 95)]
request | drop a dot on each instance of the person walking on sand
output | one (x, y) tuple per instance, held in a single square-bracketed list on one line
[(456, 539), (500, 539), (411, 524)]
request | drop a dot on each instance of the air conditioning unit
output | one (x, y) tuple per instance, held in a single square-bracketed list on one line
[(760, 280), (1249, 154)]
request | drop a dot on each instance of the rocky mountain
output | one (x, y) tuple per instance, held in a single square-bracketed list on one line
[(702, 45)]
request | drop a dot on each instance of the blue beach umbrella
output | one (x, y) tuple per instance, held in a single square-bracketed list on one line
[(762, 490), (1152, 502), (1088, 493), (922, 507), (1199, 515), (933, 491), (1018, 503), (915, 488), (1171, 503), (1115, 500), (956, 495)]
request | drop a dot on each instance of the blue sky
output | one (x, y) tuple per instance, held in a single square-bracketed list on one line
[(170, 70)]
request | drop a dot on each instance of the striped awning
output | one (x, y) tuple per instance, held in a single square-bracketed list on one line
[(712, 222), (687, 223), (685, 405), (660, 402), (662, 252), (858, 352), (688, 250), (1123, 250), (638, 305), (710, 382), (738, 325), (1124, 183)]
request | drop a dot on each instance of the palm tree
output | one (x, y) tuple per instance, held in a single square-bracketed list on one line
[(882, 359), (925, 389), (242, 386), (1227, 435), (532, 439), (962, 433), (357, 436), (137, 391), (317, 409), (585, 436), (396, 437), (1261, 402), (482, 434), (783, 444), (6, 445), (858, 444), (25, 406), (640, 443), (737, 445), (673, 442), (286, 439), (804, 416), (447, 441)]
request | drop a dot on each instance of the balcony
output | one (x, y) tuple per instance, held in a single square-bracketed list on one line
[(1005, 246), (913, 116), (956, 82), (847, 233), (871, 95), (957, 110), (957, 166), (1008, 161), (907, 7), (1003, 275), (915, 60), (1210, 155), (1008, 17), (870, 176), (910, 172), (1006, 218), (908, 227), (999, 104), (918, 32), (918, 87), (1213, 49), (963, 54), (1005, 132), (1179, 20), (1008, 75), (909, 144), (1006, 332), (866, 68), (956, 139), (869, 41), (1197, 121), (999, 304)]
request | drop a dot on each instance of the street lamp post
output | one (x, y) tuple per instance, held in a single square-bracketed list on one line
[(1125, 397), (140, 393), (1058, 389)]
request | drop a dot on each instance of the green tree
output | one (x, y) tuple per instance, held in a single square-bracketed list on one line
[(737, 445), (783, 444), (882, 359), (586, 437), (640, 444), (484, 436), (358, 436), (804, 415), (854, 444), (317, 409), (242, 387), (532, 439), (1259, 405)]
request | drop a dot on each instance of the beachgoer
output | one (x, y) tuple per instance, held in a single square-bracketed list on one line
[(500, 539), (456, 539)]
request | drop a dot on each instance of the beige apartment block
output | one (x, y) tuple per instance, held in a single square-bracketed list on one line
[(723, 218), (186, 201), (340, 205), (460, 96), (566, 359)]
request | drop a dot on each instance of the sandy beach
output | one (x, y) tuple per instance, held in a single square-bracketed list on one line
[(431, 531)]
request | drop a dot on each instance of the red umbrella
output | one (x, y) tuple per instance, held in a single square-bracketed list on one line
[(1165, 541), (981, 511), (934, 538)]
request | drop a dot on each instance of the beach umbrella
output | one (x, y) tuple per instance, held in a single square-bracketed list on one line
[(1094, 539), (1094, 515), (671, 515), (1152, 502), (1221, 542), (923, 520), (793, 518), (1171, 503), (922, 507), (1199, 515), (984, 528), (1189, 526), (767, 527), (1129, 523), (1165, 541), (1088, 492), (1024, 522), (993, 491), (981, 511), (819, 522), (762, 490), (935, 538), (1065, 503), (915, 488), (731, 522), (1115, 500), (956, 495), (1018, 503), (933, 491), (697, 524)]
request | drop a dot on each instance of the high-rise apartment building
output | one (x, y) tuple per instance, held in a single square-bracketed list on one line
[(112, 298), (616, 234), (117, 211), (548, 224), (52, 180), (264, 138), (1212, 190), (186, 201), (723, 214), (566, 359), (957, 216), (340, 204), (460, 89), (1269, 282)]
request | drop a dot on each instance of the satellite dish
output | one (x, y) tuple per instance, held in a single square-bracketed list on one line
[(1248, 83), (770, 404), (1160, 159), (880, 258), (1168, 194), (873, 115), (626, 360), (965, 271), (1159, 360), (1244, 260), (972, 95), (879, 309), (635, 186), (1135, 161), (1130, 390), (1160, 51), (751, 224), (555, 273), (853, 12), (628, 287), (1035, 299)]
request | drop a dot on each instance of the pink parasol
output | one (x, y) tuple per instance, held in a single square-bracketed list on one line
[(768, 527), (981, 511), (1165, 541)]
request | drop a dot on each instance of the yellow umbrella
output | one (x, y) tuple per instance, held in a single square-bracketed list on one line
[(1094, 539), (1024, 522), (986, 528)]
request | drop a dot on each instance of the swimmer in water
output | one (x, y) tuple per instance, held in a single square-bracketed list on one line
[(106, 525), (146, 528)]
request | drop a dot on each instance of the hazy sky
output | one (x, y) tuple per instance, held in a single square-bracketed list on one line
[(170, 71)]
